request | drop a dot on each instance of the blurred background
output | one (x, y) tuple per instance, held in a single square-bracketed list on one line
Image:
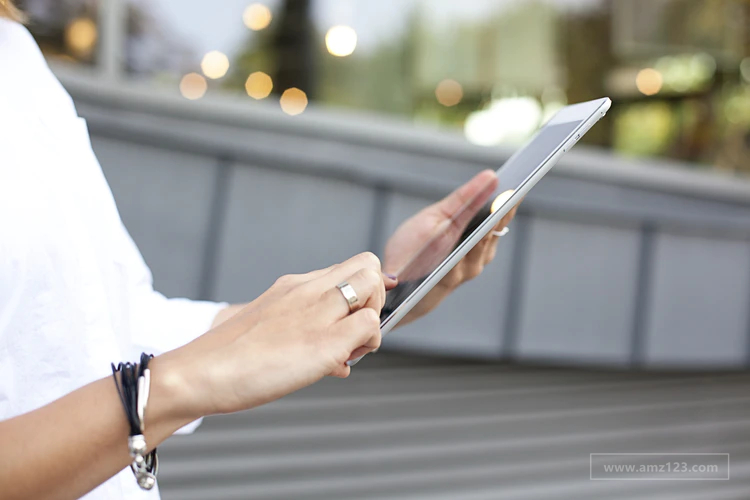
[(244, 140)]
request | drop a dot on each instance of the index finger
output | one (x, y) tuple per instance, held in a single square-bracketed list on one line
[(366, 260)]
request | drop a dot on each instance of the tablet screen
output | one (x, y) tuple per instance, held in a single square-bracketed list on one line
[(467, 218)]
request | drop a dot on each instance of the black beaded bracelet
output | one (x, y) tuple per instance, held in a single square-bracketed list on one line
[(133, 386)]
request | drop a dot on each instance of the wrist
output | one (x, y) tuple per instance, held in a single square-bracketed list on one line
[(171, 401)]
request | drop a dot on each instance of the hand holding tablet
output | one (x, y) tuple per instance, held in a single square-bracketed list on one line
[(470, 219)]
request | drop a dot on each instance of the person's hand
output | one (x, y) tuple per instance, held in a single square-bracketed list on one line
[(297, 332), (440, 225)]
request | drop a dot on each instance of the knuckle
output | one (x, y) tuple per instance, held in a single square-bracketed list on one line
[(371, 259), (370, 318), (371, 277), (284, 281), (475, 271), (453, 278)]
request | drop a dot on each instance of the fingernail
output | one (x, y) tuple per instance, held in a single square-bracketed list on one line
[(392, 276)]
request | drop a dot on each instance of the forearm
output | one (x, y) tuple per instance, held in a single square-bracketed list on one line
[(70, 446)]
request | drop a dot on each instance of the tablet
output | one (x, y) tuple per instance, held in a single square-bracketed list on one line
[(477, 216)]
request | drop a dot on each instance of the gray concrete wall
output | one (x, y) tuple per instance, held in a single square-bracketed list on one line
[(610, 261)]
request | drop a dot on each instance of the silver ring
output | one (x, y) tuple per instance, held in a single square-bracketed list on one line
[(499, 234), (349, 294)]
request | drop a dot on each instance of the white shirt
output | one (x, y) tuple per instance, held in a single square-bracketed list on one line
[(75, 293)]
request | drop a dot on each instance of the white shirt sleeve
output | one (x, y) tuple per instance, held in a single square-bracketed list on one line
[(157, 323)]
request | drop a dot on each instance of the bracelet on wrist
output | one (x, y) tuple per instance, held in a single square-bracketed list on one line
[(133, 386)]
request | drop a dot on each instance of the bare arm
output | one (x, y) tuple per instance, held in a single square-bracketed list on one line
[(299, 331), (68, 447)]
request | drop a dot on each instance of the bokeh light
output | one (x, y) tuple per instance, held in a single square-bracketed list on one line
[(745, 69), (341, 41), (449, 92), (737, 107), (508, 120), (644, 129), (258, 85), (686, 72), (257, 16), (649, 81), (80, 36), (215, 64), (702, 67), (193, 86), (293, 101)]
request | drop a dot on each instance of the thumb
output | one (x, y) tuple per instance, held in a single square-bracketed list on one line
[(472, 194)]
